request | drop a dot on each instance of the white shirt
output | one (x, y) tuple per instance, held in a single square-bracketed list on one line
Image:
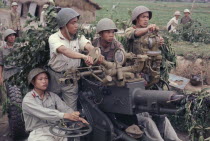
[(174, 23), (60, 62)]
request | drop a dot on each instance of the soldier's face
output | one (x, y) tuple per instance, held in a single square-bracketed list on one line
[(14, 7), (107, 35), (72, 26), (11, 38), (142, 20), (186, 14), (177, 16), (41, 82)]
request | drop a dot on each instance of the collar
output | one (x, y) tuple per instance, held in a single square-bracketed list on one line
[(61, 35), (108, 48), (35, 94)]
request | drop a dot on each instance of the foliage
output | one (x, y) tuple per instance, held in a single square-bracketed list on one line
[(192, 32), (197, 117), (33, 50), (169, 59)]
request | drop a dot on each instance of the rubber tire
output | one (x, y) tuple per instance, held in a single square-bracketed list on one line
[(16, 122)]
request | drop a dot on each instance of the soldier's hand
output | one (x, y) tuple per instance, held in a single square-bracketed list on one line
[(161, 40), (101, 59), (83, 120), (74, 116), (89, 60), (152, 27)]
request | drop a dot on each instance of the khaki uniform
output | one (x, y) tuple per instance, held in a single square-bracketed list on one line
[(173, 23), (39, 114), (8, 70), (15, 21), (153, 133), (185, 20), (59, 63), (133, 42), (108, 53)]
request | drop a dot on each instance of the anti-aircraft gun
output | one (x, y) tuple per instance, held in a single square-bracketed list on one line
[(113, 93)]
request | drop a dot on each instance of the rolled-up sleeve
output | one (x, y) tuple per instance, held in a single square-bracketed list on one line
[(55, 43), (82, 42), (129, 33), (31, 107)]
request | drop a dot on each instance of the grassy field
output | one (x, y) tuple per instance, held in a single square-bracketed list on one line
[(162, 11)]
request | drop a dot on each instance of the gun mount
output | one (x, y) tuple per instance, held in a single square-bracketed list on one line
[(113, 93)]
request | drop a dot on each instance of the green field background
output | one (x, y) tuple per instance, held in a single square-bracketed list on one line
[(162, 11)]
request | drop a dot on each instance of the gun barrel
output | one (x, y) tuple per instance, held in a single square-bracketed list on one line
[(154, 101)]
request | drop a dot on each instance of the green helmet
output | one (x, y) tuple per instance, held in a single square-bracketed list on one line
[(139, 10), (105, 24), (9, 32), (65, 15), (35, 72)]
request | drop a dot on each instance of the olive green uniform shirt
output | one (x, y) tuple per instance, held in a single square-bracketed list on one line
[(8, 70), (185, 20), (41, 113), (133, 42)]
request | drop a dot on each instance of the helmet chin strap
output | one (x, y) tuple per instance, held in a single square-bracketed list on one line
[(67, 32)]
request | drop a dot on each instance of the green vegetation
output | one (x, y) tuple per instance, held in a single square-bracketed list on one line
[(162, 11)]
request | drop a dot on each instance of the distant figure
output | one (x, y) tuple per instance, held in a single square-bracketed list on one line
[(173, 23), (43, 15), (186, 19), (15, 18)]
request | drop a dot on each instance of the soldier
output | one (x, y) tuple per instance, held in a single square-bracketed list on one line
[(15, 19), (6, 71), (173, 23), (65, 54), (43, 16), (107, 42), (186, 19), (140, 18), (41, 108)]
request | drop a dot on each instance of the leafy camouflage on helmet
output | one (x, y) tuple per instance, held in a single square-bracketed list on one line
[(105, 24), (9, 32), (35, 72), (65, 15), (139, 10)]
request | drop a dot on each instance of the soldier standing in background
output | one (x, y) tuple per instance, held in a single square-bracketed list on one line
[(43, 15), (15, 19), (173, 23), (186, 19)]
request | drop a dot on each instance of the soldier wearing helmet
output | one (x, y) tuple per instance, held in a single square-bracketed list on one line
[(6, 71), (42, 108), (173, 23), (43, 15), (107, 42), (65, 54), (140, 18), (186, 19), (15, 18)]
